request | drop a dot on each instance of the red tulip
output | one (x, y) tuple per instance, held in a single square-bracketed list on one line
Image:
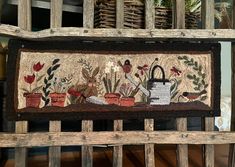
[(37, 67), (29, 78)]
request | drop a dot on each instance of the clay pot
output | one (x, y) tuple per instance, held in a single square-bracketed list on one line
[(33, 99), (127, 101), (112, 98), (57, 99)]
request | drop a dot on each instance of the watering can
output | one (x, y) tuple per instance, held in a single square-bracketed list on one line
[(158, 90)]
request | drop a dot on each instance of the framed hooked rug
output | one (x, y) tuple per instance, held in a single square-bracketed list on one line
[(62, 80)]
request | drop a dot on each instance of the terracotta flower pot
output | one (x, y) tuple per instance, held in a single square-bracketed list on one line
[(112, 98), (127, 101), (57, 99), (33, 99)]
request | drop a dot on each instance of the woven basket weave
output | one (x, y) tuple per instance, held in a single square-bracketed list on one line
[(134, 16)]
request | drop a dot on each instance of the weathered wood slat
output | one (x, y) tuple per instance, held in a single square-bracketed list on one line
[(55, 126), (56, 13), (25, 23), (149, 148), (25, 15), (88, 13), (182, 150), (149, 123), (181, 123), (208, 23), (54, 152), (120, 14), (208, 12), (118, 150), (179, 14), (87, 125), (149, 14), (118, 124), (114, 138), (123, 34), (209, 149), (87, 151), (21, 153)]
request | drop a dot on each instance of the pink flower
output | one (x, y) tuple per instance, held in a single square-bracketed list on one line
[(37, 67), (143, 69), (29, 78)]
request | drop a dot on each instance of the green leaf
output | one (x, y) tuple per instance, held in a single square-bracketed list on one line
[(47, 102), (206, 86), (25, 90), (203, 82), (55, 67), (195, 83), (44, 90), (110, 86), (200, 68), (192, 60), (189, 76), (204, 76), (190, 64), (203, 98), (45, 81), (44, 98), (36, 89), (55, 61), (48, 85), (195, 68), (116, 85), (196, 88), (186, 61), (51, 77), (199, 86), (194, 76), (49, 71), (40, 78), (106, 85), (185, 57), (180, 58), (47, 93), (196, 64)]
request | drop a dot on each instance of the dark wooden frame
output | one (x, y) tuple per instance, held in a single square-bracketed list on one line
[(71, 112)]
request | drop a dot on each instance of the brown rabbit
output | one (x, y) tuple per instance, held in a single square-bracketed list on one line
[(89, 88)]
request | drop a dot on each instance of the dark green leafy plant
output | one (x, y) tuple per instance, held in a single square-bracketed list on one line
[(198, 78), (47, 81)]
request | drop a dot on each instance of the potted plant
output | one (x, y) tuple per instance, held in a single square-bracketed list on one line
[(111, 83), (48, 81), (59, 88), (33, 97), (128, 95)]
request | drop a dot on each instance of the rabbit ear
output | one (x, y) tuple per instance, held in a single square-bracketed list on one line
[(95, 72), (85, 73)]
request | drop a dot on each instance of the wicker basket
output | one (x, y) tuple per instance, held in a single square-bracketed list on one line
[(134, 16)]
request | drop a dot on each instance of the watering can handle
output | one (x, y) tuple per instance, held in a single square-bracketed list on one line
[(163, 73)]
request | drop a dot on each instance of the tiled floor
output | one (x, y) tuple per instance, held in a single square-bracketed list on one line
[(165, 156)]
